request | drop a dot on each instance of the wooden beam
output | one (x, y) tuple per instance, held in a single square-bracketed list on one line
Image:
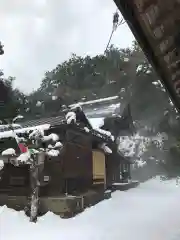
[(167, 15), (143, 5)]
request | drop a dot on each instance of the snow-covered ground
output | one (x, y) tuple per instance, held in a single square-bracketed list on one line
[(148, 212)]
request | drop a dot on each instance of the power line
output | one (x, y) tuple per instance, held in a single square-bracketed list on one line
[(116, 24)]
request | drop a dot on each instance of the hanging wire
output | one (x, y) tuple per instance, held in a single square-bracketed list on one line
[(116, 24)]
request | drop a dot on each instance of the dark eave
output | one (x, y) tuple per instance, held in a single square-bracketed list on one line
[(156, 26)]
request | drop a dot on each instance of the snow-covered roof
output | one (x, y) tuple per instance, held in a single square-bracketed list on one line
[(23, 130), (143, 213), (95, 101)]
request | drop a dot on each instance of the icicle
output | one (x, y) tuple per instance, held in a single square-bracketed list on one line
[(105, 148)]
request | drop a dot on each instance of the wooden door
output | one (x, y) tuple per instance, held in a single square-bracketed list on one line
[(99, 168)]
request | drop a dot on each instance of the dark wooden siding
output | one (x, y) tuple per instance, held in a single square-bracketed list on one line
[(155, 25)]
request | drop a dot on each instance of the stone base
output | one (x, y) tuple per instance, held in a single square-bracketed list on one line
[(16, 202), (65, 206), (91, 197)]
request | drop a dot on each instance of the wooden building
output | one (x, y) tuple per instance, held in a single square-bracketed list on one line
[(78, 178)]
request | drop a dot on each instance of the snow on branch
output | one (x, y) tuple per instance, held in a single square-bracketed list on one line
[(28, 156), (135, 146)]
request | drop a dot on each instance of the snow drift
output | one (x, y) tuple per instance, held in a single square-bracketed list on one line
[(142, 213)]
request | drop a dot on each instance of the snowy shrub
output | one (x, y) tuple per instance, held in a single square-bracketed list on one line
[(136, 146)]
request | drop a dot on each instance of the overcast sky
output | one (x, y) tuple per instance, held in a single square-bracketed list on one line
[(39, 34)]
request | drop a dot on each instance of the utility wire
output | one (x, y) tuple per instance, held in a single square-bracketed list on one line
[(116, 24)]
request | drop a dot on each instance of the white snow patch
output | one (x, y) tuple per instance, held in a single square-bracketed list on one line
[(50, 146), (107, 133), (1, 164), (139, 68), (42, 127), (155, 83), (24, 157), (139, 163), (38, 104), (21, 139), (96, 122), (148, 212), (54, 98), (9, 151), (135, 146), (86, 129), (54, 137), (53, 153), (148, 71), (17, 117), (132, 145), (58, 145), (76, 105), (70, 117), (37, 133), (105, 148), (126, 59), (23, 130)]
